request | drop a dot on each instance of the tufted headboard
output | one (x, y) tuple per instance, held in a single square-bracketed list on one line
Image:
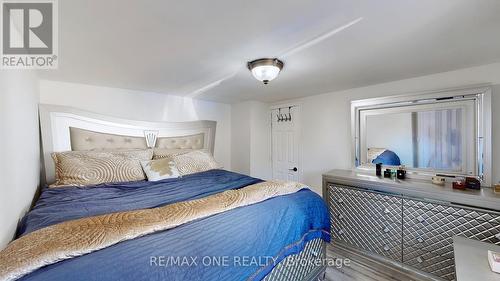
[(89, 140), (65, 128)]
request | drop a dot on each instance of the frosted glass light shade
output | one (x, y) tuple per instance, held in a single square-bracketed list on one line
[(265, 70)]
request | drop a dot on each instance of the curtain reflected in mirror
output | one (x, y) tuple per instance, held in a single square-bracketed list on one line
[(437, 139)]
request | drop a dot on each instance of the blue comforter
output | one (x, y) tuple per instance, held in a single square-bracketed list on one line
[(239, 244)]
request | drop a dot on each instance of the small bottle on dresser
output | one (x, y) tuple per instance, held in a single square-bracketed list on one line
[(459, 183), (387, 173), (401, 173), (378, 169)]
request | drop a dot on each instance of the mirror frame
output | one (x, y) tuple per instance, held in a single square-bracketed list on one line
[(481, 95)]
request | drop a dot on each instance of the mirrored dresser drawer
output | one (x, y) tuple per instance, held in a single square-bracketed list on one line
[(377, 206), (429, 228), (367, 220)]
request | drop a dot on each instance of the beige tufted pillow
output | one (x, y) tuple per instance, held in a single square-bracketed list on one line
[(94, 167), (373, 153), (195, 162), (160, 153)]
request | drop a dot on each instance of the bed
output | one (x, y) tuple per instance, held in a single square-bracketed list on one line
[(280, 238)]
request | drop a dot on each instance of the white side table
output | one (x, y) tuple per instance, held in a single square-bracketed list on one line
[(471, 260)]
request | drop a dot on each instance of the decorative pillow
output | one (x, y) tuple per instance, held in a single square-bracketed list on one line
[(195, 162), (94, 167), (160, 169), (159, 153)]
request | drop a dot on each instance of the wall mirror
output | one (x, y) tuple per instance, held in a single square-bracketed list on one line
[(445, 132)]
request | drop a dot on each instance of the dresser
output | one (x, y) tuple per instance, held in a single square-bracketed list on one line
[(408, 225)]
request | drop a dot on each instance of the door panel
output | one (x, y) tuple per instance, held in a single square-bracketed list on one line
[(285, 145)]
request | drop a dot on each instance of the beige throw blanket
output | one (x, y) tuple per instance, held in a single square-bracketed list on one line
[(82, 236)]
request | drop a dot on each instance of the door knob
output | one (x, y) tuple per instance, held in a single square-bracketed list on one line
[(294, 169)]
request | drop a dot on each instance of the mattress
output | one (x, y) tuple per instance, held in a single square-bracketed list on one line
[(242, 244)]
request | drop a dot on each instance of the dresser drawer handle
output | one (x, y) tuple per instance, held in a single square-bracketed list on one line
[(386, 248), (386, 229)]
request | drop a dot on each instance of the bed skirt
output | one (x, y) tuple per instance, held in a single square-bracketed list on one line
[(291, 270)]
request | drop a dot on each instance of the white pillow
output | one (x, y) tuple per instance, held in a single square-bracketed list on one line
[(160, 169)]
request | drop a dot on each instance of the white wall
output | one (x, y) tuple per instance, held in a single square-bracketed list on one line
[(19, 148), (147, 106), (240, 138), (326, 135), (260, 141), (251, 139)]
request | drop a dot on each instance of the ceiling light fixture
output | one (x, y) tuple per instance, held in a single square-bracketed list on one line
[(265, 70)]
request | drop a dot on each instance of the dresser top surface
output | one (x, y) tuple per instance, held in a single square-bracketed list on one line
[(483, 198)]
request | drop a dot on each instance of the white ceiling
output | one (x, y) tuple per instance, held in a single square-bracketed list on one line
[(177, 47)]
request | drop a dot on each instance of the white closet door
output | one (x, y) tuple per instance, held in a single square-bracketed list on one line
[(286, 145)]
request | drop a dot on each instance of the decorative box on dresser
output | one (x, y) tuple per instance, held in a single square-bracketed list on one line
[(407, 225)]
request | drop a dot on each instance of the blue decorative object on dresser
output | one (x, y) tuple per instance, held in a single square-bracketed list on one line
[(387, 157)]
